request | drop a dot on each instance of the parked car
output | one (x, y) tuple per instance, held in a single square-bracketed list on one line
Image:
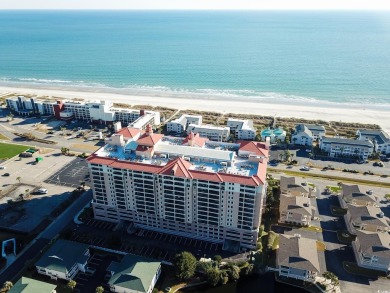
[(41, 191), (2, 167), (305, 168), (6, 174)]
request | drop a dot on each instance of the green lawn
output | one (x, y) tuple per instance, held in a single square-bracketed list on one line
[(334, 189), (8, 151)]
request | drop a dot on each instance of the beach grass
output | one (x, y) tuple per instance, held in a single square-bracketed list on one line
[(331, 177), (8, 151)]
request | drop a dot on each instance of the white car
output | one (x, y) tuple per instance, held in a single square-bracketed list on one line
[(42, 191), (305, 168), (2, 168)]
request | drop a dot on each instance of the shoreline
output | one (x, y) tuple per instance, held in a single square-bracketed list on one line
[(306, 109)]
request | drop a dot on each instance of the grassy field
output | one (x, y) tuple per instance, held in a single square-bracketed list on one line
[(10, 150)]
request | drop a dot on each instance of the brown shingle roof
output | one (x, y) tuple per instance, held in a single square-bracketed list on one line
[(372, 243), (296, 204)]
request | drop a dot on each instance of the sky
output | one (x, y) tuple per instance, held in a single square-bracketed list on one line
[(199, 4)]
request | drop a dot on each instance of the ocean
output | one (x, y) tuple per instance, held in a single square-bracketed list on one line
[(339, 56)]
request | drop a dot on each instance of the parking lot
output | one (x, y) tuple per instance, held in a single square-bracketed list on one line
[(71, 175), (96, 273)]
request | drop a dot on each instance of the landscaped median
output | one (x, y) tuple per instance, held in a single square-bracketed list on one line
[(331, 177)]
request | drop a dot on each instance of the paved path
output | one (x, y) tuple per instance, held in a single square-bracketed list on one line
[(44, 238)]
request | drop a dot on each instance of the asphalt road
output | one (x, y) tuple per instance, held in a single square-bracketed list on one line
[(44, 238)]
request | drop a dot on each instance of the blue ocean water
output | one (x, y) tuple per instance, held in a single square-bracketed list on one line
[(330, 56)]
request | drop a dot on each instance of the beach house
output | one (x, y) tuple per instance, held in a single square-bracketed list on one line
[(367, 218), (295, 210), (356, 195), (134, 274), (297, 258), (293, 186), (306, 134), (27, 285), (372, 250), (379, 138), (63, 260)]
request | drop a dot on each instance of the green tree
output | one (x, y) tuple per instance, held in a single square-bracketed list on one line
[(213, 276), (332, 277), (185, 265), (203, 266), (234, 273), (99, 289), (223, 278), (72, 284), (218, 259), (247, 270)]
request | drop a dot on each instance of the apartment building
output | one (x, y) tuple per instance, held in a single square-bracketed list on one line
[(191, 186), (180, 124), (293, 186), (368, 218), (243, 129), (216, 133), (297, 258), (356, 195), (345, 147), (92, 111), (306, 134), (379, 138)]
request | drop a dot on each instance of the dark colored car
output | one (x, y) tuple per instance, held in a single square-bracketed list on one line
[(6, 174)]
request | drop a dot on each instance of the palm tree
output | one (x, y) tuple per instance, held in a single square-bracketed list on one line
[(99, 289), (72, 284), (18, 178)]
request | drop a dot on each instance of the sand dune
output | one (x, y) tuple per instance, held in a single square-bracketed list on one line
[(308, 109)]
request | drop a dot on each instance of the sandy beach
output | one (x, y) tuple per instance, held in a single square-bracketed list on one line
[(308, 109)]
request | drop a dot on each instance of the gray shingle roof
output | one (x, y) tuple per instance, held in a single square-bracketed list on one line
[(297, 252), (379, 135), (296, 204), (62, 256), (133, 272), (347, 141), (372, 243), (290, 183), (367, 215), (313, 127), (351, 192)]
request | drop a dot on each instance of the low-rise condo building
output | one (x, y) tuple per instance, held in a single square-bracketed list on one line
[(277, 134), (191, 186), (27, 285), (134, 274), (297, 258), (345, 147), (306, 134), (63, 260), (293, 186), (243, 129), (372, 250), (356, 195), (295, 210), (180, 124), (92, 111), (379, 138), (216, 133), (367, 218)]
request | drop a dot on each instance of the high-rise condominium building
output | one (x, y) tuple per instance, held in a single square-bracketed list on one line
[(191, 186)]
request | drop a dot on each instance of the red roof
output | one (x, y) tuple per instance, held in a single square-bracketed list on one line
[(181, 167), (177, 167), (199, 141), (149, 140), (254, 147), (129, 132)]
